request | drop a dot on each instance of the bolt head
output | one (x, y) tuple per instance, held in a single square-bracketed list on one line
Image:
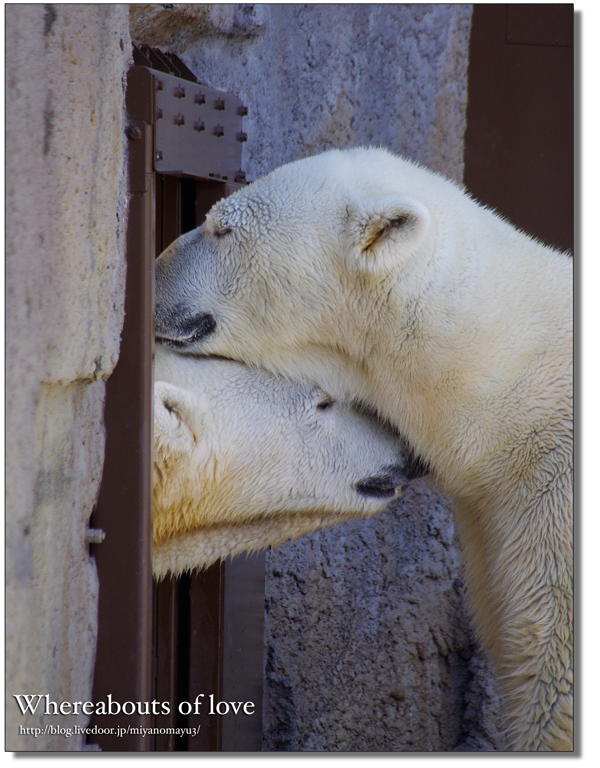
[(134, 132)]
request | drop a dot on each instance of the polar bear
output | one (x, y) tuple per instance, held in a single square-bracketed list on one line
[(244, 460), (381, 280)]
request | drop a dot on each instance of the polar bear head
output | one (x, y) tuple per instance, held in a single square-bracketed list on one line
[(279, 269), (244, 459)]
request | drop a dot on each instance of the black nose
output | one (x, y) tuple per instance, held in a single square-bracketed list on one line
[(383, 485), (189, 331)]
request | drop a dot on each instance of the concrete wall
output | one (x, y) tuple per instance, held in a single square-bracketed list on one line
[(65, 272), (367, 644)]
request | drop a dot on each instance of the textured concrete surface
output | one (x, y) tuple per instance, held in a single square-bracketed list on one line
[(367, 643), (316, 77), (65, 270), (369, 646), (174, 26)]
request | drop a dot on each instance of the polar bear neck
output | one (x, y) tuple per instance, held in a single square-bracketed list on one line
[(449, 370)]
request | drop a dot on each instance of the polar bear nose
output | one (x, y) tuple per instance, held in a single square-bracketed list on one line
[(383, 485)]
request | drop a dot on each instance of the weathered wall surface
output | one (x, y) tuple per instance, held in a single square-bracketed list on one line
[(65, 277), (367, 644)]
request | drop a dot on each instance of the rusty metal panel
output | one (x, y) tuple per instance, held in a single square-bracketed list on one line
[(540, 24), (519, 153)]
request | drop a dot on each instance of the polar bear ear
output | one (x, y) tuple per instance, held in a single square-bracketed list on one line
[(385, 230), (177, 416)]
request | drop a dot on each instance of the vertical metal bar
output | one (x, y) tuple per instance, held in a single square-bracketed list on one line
[(206, 656), (166, 613), (243, 641), (123, 670)]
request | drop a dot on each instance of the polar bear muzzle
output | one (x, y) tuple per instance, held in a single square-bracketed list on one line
[(188, 332)]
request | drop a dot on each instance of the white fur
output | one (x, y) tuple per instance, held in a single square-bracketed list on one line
[(244, 460), (379, 279)]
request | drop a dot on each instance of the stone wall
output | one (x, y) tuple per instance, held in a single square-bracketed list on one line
[(65, 275), (367, 644)]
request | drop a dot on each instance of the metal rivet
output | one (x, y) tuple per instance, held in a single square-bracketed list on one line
[(158, 154), (200, 98), (218, 130), (179, 92), (159, 113), (179, 119), (242, 111), (220, 104), (159, 85), (134, 132), (94, 536), (241, 137), (198, 125)]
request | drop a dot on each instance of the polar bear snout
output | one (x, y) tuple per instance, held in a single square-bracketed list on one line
[(186, 332)]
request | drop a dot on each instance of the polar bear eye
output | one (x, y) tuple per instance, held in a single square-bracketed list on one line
[(222, 231), (326, 402)]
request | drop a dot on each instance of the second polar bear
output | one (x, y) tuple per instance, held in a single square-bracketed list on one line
[(381, 280), (244, 460)]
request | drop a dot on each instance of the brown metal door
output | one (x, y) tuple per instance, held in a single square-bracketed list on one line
[(519, 138)]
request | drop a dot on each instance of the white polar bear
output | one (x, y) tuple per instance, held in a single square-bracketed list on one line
[(381, 280), (244, 460)]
